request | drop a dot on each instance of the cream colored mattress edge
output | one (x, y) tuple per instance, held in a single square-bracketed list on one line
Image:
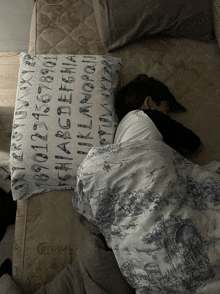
[(32, 39), (54, 255)]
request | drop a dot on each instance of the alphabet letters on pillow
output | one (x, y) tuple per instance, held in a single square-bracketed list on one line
[(64, 107)]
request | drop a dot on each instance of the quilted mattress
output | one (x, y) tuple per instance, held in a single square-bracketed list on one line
[(48, 231)]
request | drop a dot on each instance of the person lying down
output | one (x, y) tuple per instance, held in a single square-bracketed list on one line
[(143, 105), (158, 211)]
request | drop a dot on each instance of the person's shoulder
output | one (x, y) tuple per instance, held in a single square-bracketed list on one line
[(132, 115)]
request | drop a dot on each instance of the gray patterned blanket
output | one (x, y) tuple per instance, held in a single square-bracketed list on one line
[(159, 213)]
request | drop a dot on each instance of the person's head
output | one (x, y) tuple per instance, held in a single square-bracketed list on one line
[(145, 93)]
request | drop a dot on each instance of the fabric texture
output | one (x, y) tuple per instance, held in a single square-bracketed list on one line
[(121, 22), (188, 67), (159, 213), (53, 2), (94, 270), (216, 19), (64, 107), (7, 285), (5, 182), (6, 118), (136, 125), (14, 31)]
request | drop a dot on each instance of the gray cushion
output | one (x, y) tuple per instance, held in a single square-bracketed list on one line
[(120, 22)]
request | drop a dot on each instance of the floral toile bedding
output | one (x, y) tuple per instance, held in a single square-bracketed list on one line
[(159, 213)]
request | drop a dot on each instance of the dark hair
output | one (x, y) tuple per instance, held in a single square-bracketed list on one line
[(132, 96)]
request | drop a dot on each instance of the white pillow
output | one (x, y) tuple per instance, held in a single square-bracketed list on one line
[(64, 107)]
